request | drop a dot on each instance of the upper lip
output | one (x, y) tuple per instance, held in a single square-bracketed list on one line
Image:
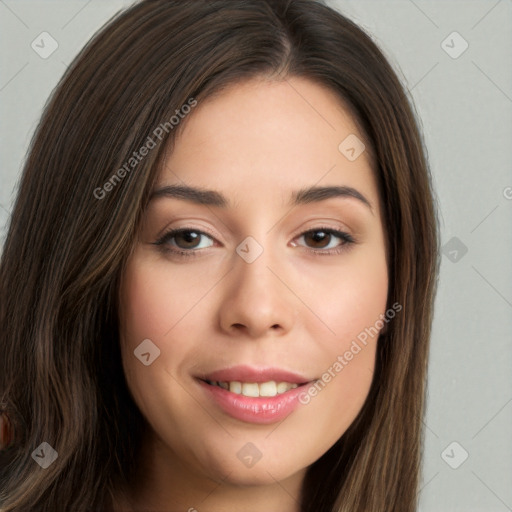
[(244, 373)]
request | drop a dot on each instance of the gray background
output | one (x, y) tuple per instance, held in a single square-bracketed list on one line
[(465, 106)]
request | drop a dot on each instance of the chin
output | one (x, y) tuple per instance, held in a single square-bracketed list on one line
[(234, 471), (255, 476)]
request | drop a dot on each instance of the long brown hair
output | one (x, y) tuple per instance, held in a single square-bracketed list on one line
[(74, 223)]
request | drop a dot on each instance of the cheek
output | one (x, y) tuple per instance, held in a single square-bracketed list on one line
[(154, 299), (352, 306), (351, 297), (150, 308)]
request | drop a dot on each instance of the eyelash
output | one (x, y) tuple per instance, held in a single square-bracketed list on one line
[(347, 239)]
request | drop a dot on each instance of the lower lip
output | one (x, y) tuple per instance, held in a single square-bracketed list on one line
[(255, 409)]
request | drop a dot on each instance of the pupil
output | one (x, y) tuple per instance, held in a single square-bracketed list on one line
[(323, 236), (189, 236)]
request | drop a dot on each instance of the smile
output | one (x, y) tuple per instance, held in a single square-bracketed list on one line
[(255, 389)]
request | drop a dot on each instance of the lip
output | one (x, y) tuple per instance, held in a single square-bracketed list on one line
[(243, 373), (262, 410), (259, 410)]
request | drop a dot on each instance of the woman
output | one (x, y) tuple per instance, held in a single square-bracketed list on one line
[(279, 364)]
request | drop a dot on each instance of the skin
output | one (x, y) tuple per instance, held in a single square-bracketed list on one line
[(256, 142)]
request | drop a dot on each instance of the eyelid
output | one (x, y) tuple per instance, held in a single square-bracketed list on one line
[(319, 225), (187, 227)]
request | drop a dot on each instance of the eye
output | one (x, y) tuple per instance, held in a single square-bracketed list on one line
[(185, 242), (323, 236)]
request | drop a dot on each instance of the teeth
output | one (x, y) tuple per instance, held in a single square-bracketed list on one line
[(235, 387), (268, 388), (282, 387), (250, 389), (254, 389)]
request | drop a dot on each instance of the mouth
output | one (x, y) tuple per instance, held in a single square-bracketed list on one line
[(254, 395)]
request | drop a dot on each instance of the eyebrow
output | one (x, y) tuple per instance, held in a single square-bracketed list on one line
[(306, 195)]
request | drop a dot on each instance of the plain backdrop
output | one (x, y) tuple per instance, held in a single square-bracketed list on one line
[(454, 57)]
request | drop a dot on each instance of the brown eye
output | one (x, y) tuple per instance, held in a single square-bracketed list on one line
[(182, 242), (323, 240), (187, 239), (319, 238)]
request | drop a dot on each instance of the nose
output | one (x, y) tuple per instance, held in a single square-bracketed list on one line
[(257, 301)]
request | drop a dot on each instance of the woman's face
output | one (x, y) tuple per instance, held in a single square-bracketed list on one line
[(256, 290)]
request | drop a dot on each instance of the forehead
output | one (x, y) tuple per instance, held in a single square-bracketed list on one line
[(269, 139)]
